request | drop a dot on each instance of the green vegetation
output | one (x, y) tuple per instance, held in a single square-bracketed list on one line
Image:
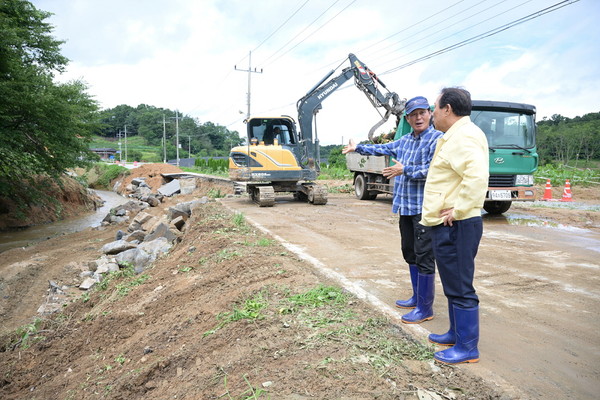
[(100, 175), (250, 394), (125, 280), (327, 311), (26, 335), (334, 173), (145, 133), (216, 165), (577, 176), (319, 296), (249, 310), (46, 126), (569, 141), (239, 220)]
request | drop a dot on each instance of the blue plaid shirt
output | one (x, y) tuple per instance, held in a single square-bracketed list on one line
[(415, 153)]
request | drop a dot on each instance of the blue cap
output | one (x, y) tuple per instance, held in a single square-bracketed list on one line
[(415, 103)]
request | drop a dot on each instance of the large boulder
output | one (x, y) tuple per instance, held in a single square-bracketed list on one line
[(117, 246), (170, 188)]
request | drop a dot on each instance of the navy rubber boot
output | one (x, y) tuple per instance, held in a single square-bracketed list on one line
[(467, 337), (412, 302), (425, 294), (448, 338)]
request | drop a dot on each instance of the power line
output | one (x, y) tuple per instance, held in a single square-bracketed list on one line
[(425, 31), (421, 47), (485, 34), (316, 30), (409, 27), (281, 26), (301, 32)]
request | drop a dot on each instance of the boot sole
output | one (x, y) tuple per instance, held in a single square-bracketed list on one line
[(441, 344), (417, 322), (406, 308), (474, 360)]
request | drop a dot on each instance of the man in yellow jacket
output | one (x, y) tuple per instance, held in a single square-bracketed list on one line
[(454, 194)]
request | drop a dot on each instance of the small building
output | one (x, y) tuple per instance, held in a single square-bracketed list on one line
[(105, 153)]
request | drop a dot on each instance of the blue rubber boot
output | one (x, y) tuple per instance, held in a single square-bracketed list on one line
[(448, 338), (412, 302), (425, 294), (467, 337)]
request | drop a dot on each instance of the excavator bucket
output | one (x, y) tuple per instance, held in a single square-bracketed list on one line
[(377, 125)]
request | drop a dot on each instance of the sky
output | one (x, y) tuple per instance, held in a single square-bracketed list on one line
[(193, 55)]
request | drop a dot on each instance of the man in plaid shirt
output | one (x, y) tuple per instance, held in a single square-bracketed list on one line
[(411, 155)]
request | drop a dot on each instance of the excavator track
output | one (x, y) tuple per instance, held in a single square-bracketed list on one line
[(317, 195), (264, 196)]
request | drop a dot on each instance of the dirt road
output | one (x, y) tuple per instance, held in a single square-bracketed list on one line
[(538, 284)]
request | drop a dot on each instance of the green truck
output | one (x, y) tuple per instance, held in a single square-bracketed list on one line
[(510, 130)]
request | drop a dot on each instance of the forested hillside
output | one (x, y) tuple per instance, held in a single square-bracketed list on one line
[(153, 124), (569, 140)]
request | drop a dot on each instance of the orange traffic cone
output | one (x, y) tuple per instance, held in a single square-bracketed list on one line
[(548, 191), (567, 195)]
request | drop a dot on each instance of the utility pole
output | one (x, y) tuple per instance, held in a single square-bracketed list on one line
[(189, 146), (120, 152), (164, 140), (125, 143), (177, 133), (249, 71)]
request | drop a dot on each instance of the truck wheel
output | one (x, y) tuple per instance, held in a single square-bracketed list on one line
[(360, 188), (496, 207)]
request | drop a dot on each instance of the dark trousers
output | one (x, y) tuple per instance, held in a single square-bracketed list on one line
[(416, 243), (455, 248)]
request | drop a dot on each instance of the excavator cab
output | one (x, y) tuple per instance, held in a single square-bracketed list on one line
[(271, 131)]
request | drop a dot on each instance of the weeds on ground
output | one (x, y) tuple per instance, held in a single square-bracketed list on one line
[(239, 220), (215, 193), (334, 172), (251, 393), (346, 188), (25, 336), (262, 242), (559, 173), (251, 309), (328, 311)]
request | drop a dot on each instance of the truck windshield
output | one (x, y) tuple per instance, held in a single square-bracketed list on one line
[(506, 129)]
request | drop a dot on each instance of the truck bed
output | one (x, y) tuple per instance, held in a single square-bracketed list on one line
[(370, 164)]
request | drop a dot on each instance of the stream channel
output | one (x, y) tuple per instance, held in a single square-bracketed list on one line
[(26, 236)]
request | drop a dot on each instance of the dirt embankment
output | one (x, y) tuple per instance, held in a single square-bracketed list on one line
[(50, 201)]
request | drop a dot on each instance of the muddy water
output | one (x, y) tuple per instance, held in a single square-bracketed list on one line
[(21, 238)]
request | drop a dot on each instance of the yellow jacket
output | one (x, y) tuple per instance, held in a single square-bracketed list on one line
[(458, 174)]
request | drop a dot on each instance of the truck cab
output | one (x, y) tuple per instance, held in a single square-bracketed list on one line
[(510, 130)]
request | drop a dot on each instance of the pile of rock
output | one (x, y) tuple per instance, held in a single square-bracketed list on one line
[(146, 238)]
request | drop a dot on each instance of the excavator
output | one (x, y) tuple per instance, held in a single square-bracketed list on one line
[(280, 158)]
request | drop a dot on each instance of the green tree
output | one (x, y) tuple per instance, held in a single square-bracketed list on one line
[(336, 158), (565, 140), (44, 125)]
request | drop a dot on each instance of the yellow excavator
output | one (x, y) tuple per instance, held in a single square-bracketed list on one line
[(279, 158)]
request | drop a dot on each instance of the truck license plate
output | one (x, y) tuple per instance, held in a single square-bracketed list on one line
[(500, 195)]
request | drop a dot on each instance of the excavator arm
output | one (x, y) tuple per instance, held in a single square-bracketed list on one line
[(365, 80)]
